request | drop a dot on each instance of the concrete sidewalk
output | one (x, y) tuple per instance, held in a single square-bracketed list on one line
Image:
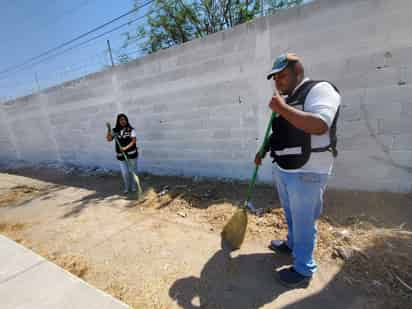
[(28, 281)]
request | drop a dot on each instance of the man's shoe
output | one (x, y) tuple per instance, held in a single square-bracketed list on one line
[(280, 246), (290, 278)]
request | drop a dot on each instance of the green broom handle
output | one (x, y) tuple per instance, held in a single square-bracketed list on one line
[(261, 153), (120, 146)]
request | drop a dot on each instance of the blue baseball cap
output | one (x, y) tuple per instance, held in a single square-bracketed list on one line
[(281, 63)]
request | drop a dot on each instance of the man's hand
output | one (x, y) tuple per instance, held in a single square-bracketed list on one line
[(277, 102), (258, 159), (305, 121)]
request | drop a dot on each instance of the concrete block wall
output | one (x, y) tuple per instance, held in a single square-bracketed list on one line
[(201, 108)]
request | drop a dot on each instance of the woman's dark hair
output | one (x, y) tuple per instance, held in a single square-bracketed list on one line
[(118, 127)]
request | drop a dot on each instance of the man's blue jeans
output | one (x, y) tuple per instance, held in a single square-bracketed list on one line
[(301, 196)]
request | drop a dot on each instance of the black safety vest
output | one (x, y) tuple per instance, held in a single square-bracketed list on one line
[(291, 147), (125, 139)]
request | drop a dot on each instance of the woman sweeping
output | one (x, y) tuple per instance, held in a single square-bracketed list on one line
[(126, 135)]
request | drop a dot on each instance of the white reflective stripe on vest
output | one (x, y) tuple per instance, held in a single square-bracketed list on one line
[(289, 151), (132, 152)]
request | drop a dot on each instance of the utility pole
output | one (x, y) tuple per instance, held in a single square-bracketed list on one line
[(110, 52), (262, 12), (37, 81)]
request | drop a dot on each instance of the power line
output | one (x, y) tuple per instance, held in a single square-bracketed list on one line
[(60, 76), (77, 46), (85, 61), (124, 48), (95, 59), (12, 68), (130, 52), (72, 71), (47, 60)]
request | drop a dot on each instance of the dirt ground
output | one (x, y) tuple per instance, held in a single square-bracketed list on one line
[(164, 252)]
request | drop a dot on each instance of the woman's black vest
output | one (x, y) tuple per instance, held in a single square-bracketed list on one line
[(291, 147), (124, 137)]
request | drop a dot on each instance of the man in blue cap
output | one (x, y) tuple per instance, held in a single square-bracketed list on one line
[(303, 148)]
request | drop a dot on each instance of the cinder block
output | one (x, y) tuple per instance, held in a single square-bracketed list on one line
[(325, 69), (402, 159), (351, 82), (221, 134), (385, 142), (373, 166), (397, 56), (198, 55), (350, 112), (384, 76), (407, 108), (388, 94), (356, 136), (402, 142), (395, 126), (383, 110), (361, 64), (159, 108)]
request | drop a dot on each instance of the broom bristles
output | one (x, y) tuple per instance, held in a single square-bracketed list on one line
[(139, 188), (234, 231)]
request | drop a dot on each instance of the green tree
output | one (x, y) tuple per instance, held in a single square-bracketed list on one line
[(273, 5), (172, 22)]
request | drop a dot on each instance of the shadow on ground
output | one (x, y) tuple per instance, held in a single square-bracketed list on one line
[(200, 194), (248, 281), (388, 209)]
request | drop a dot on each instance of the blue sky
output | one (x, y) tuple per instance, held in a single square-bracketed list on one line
[(30, 27)]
